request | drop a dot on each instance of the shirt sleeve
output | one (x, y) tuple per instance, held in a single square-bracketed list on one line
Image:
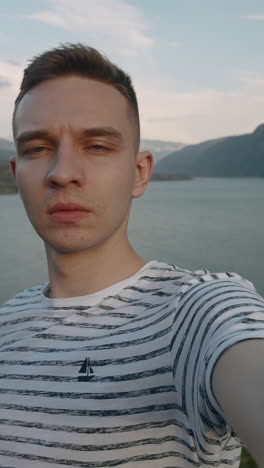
[(220, 309)]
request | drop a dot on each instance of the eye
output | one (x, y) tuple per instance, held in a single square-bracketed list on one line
[(98, 148), (38, 149), (35, 149)]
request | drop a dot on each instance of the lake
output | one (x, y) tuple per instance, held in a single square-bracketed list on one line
[(211, 223)]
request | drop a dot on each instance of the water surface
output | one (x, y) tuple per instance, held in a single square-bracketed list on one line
[(216, 224)]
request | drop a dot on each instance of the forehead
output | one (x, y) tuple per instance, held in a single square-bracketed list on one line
[(73, 102)]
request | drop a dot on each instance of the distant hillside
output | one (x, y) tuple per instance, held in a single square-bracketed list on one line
[(7, 184), (6, 144), (165, 177), (234, 156), (159, 148), (7, 148)]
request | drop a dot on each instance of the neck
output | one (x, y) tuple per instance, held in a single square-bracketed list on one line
[(86, 272)]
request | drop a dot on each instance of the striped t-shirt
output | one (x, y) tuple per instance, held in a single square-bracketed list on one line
[(123, 377)]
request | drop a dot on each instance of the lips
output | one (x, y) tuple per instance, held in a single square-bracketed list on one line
[(67, 207), (68, 212)]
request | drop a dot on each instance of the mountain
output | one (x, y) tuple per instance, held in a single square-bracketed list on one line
[(159, 148), (7, 184), (6, 144), (7, 149), (234, 156)]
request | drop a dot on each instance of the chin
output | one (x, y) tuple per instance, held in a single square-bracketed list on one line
[(71, 245), (62, 248), (72, 241)]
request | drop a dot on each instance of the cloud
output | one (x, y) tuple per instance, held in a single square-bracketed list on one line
[(10, 73), (203, 114), (10, 77), (251, 79), (253, 17), (170, 43), (104, 22), (4, 83), (170, 114)]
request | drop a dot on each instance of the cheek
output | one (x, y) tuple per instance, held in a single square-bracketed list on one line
[(116, 190), (22, 187), (29, 189), (121, 186), (25, 186)]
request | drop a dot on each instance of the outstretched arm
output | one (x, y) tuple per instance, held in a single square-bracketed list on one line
[(238, 384)]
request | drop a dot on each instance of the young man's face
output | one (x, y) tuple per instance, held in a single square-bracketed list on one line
[(77, 169)]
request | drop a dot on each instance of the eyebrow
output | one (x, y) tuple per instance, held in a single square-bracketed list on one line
[(33, 135), (103, 131), (89, 132)]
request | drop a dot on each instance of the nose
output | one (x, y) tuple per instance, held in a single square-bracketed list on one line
[(65, 167)]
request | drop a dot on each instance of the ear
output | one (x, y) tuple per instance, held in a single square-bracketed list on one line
[(12, 162), (144, 168)]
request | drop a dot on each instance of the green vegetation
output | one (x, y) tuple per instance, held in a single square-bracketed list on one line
[(7, 184), (247, 460), (170, 177)]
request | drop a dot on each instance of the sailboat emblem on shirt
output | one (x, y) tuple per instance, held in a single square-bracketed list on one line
[(87, 371)]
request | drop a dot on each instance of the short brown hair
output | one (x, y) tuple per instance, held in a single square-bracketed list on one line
[(81, 60)]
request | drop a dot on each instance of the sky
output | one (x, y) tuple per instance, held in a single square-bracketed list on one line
[(197, 66)]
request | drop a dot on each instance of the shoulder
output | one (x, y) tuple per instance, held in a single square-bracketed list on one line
[(190, 286), (25, 297), (202, 281)]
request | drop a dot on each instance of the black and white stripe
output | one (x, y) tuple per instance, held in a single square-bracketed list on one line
[(153, 342)]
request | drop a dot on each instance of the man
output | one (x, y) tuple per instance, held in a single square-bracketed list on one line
[(116, 361)]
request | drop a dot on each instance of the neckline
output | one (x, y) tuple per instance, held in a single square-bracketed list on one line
[(94, 298)]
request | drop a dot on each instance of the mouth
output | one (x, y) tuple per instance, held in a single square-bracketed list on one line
[(68, 212)]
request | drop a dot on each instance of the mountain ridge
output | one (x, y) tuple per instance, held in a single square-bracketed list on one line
[(231, 156)]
